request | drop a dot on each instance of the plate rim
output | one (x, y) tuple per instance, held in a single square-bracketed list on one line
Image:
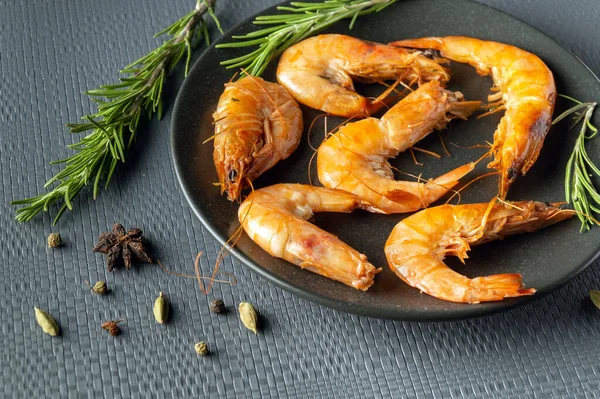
[(470, 312)]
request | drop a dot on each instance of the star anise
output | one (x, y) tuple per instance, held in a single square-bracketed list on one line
[(122, 247)]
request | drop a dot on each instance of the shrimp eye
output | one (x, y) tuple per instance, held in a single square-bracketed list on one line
[(232, 175)]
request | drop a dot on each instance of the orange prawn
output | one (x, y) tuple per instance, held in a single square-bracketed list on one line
[(525, 89), (355, 158), (257, 124), (417, 246), (319, 72), (275, 218)]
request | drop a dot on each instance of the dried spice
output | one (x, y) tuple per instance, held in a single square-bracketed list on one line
[(47, 322), (595, 296), (122, 247), (161, 309), (54, 240), (201, 348), (217, 306), (112, 327), (99, 288), (249, 316)]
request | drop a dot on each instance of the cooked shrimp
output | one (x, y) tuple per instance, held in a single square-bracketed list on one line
[(355, 158), (318, 72), (275, 217), (257, 124), (418, 245), (525, 88)]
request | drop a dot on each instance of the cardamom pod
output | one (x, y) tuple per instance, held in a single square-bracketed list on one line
[(100, 287), (248, 316), (201, 348), (595, 296), (161, 309), (47, 323)]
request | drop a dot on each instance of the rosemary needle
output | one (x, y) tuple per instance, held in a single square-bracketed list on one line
[(579, 188), (300, 21), (113, 127)]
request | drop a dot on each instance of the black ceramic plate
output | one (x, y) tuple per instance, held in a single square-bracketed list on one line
[(546, 259)]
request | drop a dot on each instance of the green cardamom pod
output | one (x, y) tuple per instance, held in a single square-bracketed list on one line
[(595, 295), (201, 348), (161, 309), (248, 316), (47, 323)]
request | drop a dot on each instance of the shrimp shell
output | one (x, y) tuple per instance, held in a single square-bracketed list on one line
[(318, 72), (257, 124), (525, 88), (355, 158), (417, 246), (275, 218)]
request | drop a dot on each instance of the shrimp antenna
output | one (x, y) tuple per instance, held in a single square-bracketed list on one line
[(197, 276), (401, 83), (484, 156), (310, 161), (578, 213), (509, 204), (265, 92), (487, 145), (228, 245), (428, 152), (381, 99), (412, 154), (469, 183), (310, 128), (235, 75), (443, 143), (327, 134)]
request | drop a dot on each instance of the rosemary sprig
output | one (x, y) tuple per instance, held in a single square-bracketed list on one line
[(300, 21), (579, 188), (113, 127)]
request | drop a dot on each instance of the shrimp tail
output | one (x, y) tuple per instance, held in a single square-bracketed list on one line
[(424, 42), (496, 288), (462, 109)]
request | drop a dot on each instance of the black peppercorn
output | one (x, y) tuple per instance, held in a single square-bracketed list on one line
[(217, 306)]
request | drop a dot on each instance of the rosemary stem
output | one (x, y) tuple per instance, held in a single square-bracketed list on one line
[(302, 19), (118, 113)]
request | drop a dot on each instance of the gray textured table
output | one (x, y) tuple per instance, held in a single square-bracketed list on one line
[(50, 52)]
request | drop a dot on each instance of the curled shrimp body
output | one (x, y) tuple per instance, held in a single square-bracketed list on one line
[(525, 88), (275, 217), (318, 72), (355, 158), (257, 124), (417, 246)]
